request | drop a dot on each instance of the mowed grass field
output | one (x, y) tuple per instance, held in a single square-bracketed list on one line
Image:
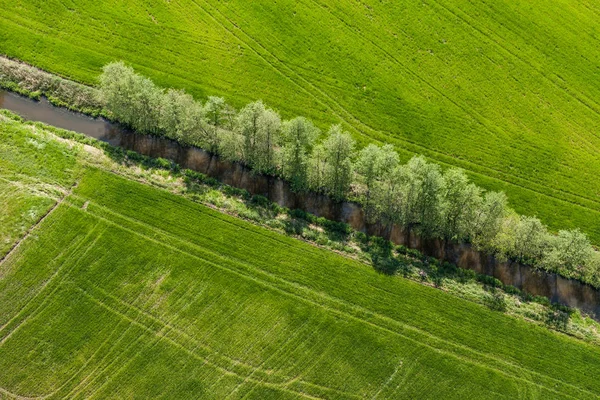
[(507, 90), (125, 290)]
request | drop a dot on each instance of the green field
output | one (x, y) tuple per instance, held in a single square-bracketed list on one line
[(507, 90), (125, 290), (35, 171)]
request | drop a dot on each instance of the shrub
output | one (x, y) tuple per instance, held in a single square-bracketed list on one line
[(401, 249), (260, 201), (541, 300), (361, 237), (512, 290), (558, 317), (489, 280), (495, 301), (466, 275), (449, 268), (297, 213), (236, 192), (414, 253)]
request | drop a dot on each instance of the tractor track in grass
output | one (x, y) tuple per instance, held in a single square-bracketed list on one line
[(51, 282), (341, 307), (162, 334), (278, 65), (475, 168)]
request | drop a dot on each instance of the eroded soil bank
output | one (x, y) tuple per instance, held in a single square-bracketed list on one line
[(536, 282)]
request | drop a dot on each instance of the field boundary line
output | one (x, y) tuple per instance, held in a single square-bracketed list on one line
[(124, 365), (291, 337), (362, 310), (273, 286), (16, 246), (83, 366), (170, 326), (89, 375), (211, 353), (16, 396)]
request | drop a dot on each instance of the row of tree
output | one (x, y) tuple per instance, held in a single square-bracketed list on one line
[(417, 195)]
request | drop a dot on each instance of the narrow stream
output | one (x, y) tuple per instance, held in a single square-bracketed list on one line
[(101, 129), (44, 111), (558, 289), (194, 158)]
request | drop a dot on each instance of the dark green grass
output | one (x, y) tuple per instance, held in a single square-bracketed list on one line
[(505, 90), (143, 293)]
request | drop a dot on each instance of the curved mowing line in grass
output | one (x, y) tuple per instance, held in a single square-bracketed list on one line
[(51, 282), (363, 314), (381, 136)]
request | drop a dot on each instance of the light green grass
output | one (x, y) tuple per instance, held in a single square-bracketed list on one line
[(508, 91), (35, 171), (129, 291)]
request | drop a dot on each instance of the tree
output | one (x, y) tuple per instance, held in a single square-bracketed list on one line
[(591, 272), (116, 90), (390, 196), (521, 238), (568, 253), (338, 148), (231, 144), (247, 124), (373, 164), (146, 105), (531, 238), (488, 220), (215, 112), (181, 117), (269, 131), (423, 208), (460, 200), (132, 99), (298, 138), (316, 168)]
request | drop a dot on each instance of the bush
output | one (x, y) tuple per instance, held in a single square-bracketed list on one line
[(197, 176), (134, 156), (361, 237), (495, 301), (558, 317), (541, 300), (233, 191), (466, 275), (512, 290), (414, 253), (401, 249), (260, 201), (297, 213), (448, 268), (490, 281)]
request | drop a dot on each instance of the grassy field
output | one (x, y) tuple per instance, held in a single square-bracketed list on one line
[(128, 291), (507, 90), (32, 179)]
